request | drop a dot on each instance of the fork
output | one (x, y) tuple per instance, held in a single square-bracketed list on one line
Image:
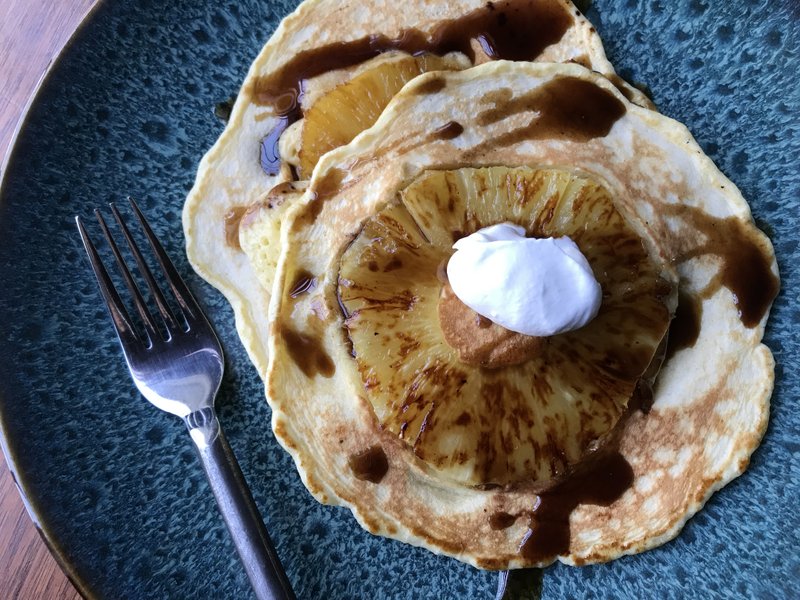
[(177, 364)]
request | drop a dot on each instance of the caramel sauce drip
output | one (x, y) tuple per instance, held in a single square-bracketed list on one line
[(307, 353), (325, 187), (277, 195), (512, 30), (746, 268), (274, 198), (600, 480), (304, 282), (448, 131), (643, 395), (501, 520), (232, 220), (370, 465), (566, 107), (328, 185), (685, 326), (269, 155)]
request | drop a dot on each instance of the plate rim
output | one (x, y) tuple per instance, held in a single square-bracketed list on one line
[(53, 546), (86, 22)]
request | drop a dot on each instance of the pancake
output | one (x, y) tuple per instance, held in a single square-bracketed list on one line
[(710, 401), (331, 386), (322, 44)]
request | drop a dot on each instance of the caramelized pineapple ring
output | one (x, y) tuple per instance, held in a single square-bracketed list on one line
[(353, 106), (525, 422)]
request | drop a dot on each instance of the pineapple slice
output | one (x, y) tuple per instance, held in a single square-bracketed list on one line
[(350, 108), (530, 421)]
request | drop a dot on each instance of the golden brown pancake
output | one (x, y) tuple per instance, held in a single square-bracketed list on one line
[(711, 398)]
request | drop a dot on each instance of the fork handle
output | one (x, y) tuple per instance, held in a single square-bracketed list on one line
[(238, 509)]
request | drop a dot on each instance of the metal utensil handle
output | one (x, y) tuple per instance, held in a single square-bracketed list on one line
[(238, 509)]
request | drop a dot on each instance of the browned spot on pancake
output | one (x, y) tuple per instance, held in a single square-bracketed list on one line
[(404, 300), (370, 465), (582, 60), (313, 484), (233, 219), (393, 265), (370, 523), (621, 85), (408, 345), (280, 431), (431, 85), (277, 195)]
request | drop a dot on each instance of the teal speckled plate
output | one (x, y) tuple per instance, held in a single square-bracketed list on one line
[(114, 484)]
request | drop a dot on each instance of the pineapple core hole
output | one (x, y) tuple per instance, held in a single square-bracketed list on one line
[(480, 342)]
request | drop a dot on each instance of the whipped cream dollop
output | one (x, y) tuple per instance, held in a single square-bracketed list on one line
[(537, 287)]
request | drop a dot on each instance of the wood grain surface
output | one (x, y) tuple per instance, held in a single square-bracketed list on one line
[(31, 34)]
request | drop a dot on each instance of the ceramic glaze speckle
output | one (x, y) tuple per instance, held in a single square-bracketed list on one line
[(115, 483)]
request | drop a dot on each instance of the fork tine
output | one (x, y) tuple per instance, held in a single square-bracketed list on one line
[(158, 296), (138, 299), (119, 315), (179, 288)]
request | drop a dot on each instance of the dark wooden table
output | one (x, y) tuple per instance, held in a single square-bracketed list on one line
[(31, 34)]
